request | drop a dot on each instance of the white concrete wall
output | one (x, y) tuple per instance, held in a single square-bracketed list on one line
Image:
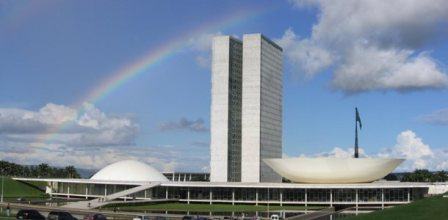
[(226, 110), (438, 188), (261, 108), (219, 109), (251, 114)]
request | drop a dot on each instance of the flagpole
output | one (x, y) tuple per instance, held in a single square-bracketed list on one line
[(356, 135), (3, 179)]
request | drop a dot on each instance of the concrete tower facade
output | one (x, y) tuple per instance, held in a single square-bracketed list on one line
[(225, 163), (246, 109), (261, 108)]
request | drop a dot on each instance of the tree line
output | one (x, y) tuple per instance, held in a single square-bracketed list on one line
[(419, 175), (42, 170), (425, 176)]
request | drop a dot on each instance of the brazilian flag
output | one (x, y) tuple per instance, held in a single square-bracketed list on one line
[(358, 119)]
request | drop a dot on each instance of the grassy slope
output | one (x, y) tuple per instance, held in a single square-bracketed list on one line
[(207, 207), (3, 215), (429, 208), (14, 188)]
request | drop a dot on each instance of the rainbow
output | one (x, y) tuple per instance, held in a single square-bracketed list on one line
[(170, 48), (153, 57)]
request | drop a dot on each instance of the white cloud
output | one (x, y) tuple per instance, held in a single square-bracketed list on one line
[(341, 153), (370, 68), (14, 120), (409, 146), (53, 114), (203, 42), (184, 124), (336, 152), (443, 165), (90, 128), (439, 117), (204, 61), (89, 138), (202, 45), (418, 155), (373, 44), (163, 158), (305, 54)]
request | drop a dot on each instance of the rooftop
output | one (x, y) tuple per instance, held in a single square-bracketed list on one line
[(377, 184)]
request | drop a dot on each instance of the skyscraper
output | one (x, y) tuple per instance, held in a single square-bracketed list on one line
[(246, 109), (261, 108), (225, 163)]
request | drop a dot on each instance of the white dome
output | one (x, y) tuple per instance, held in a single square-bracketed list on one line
[(129, 170)]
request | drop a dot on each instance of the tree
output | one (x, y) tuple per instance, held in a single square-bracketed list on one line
[(44, 170), (439, 176), (391, 177), (425, 176), (70, 172)]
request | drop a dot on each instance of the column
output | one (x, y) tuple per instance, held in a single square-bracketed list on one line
[(331, 198), (188, 195), (211, 195), (306, 197), (382, 198), (256, 196), (105, 190), (233, 196), (281, 197), (52, 189), (356, 201), (166, 193), (145, 193), (68, 191), (87, 190), (409, 195)]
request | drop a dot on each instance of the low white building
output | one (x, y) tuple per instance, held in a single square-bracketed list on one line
[(134, 180)]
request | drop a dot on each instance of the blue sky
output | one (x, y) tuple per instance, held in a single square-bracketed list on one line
[(337, 56)]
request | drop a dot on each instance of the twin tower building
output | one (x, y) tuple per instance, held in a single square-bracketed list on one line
[(246, 109)]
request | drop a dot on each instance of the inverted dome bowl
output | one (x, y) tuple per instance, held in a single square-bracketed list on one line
[(333, 170)]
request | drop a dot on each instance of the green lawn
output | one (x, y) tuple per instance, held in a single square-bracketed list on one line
[(15, 189), (3, 215), (429, 208), (206, 207)]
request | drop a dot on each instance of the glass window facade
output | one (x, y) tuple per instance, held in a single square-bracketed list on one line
[(344, 195), (177, 193), (252, 195), (234, 135), (222, 193), (395, 195), (199, 193), (318, 195), (245, 194), (271, 194), (225, 164), (158, 192), (369, 195), (294, 195)]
